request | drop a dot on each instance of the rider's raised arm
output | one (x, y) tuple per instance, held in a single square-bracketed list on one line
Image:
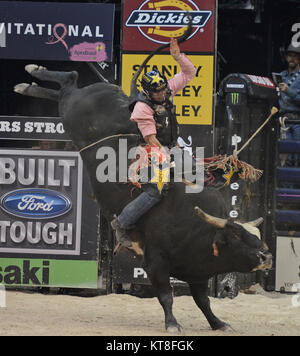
[(187, 69), (186, 74)]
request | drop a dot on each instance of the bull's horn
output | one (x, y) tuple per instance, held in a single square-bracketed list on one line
[(212, 220), (256, 222)]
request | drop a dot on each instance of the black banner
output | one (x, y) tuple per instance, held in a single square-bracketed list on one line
[(32, 128), (56, 31)]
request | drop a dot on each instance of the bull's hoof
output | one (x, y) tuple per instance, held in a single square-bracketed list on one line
[(227, 328), (33, 67), (21, 88), (174, 329)]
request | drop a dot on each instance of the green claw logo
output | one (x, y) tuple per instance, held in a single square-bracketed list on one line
[(235, 98)]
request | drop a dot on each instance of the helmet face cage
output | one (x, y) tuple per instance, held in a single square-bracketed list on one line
[(153, 82)]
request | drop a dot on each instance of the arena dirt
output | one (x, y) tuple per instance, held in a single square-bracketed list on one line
[(124, 315)]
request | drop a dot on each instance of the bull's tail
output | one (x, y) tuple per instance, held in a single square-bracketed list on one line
[(133, 87)]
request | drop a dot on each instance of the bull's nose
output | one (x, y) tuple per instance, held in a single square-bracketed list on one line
[(265, 261)]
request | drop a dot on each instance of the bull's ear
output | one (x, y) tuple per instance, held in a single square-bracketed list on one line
[(256, 222)]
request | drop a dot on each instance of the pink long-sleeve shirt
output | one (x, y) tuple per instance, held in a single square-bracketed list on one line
[(143, 115)]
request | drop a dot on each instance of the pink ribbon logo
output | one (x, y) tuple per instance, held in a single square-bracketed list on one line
[(59, 38)]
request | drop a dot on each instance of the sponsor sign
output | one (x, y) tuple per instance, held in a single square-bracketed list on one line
[(235, 98), (56, 31), (48, 272), (150, 23), (235, 86), (41, 202), (128, 269), (288, 264), (32, 128), (261, 81), (35, 203), (194, 104)]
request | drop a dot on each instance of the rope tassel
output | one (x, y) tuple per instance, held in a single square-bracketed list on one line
[(231, 163), (245, 171)]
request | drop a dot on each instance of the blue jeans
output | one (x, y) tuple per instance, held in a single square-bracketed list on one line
[(293, 133), (136, 209)]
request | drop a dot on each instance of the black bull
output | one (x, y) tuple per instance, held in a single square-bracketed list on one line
[(175, 241)]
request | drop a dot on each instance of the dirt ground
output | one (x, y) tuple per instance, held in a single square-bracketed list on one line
[(124, 315)]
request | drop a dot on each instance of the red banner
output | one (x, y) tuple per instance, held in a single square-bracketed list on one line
[(150, 23)]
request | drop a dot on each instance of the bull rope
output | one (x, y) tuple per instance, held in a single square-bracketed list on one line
[(139, 71), (133, 87), (231, 164), (273, 112), (104, 139)]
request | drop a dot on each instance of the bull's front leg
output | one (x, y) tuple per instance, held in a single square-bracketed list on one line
[(36, 91), (158, 273), (200, 294)]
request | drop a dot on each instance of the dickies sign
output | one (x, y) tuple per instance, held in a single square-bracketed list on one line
[(152, 22)]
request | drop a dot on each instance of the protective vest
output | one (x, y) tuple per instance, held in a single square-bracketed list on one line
[(167, 128)]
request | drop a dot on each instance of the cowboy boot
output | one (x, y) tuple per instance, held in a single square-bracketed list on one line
[(121, 235)]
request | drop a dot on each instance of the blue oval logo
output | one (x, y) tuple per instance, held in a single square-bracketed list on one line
[(35, 203)]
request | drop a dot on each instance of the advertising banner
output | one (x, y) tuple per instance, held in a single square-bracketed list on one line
[(56, 31), (40, 202), (148, 24), (48, 220), (194, 104), (48, 272), (32, 128)]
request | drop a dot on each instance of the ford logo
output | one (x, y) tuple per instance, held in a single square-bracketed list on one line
[(35, 203)]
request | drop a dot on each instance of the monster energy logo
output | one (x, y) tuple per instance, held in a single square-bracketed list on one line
[(235, 98)]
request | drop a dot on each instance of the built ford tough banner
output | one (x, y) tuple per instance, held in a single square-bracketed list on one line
[(56, 31), (48, 220)]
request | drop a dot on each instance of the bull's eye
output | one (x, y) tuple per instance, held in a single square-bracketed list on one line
[(237, 236)]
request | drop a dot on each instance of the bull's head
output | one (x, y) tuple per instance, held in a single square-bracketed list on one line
[(244, 241)]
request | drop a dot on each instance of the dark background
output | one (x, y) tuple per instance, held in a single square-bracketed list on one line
[(252, 35)]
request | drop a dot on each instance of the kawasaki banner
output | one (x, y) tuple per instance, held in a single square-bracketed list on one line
[(48, 221), (48, 272), (56, 31)]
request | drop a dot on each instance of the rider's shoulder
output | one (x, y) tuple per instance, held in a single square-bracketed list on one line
[(139, 102)]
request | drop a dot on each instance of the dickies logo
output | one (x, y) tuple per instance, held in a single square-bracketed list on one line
[(35, 203), (161, 20)]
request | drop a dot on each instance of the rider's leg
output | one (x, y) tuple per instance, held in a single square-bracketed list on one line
[(131, 214)]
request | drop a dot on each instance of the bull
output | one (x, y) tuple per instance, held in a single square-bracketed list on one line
[(177, 238)]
